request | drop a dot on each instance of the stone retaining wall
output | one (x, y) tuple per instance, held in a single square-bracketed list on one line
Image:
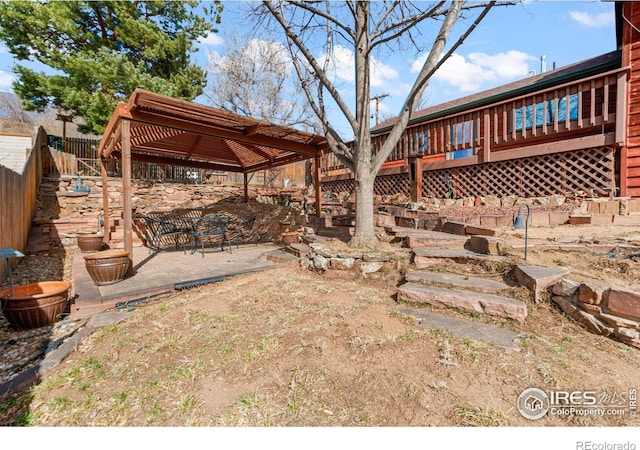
[(353, 264), (608, 311)]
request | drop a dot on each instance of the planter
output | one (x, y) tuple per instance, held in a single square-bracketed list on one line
[(35, 305), (90, 242), (108, 266), (290, 237)]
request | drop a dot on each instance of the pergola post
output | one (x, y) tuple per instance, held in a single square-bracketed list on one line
[(127, 214), (246, 188), (105, 202), (318, 187)]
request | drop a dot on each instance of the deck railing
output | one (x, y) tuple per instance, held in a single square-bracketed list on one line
[(573, 110)]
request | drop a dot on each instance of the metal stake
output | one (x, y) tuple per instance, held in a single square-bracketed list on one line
[(518, 224), (7, 253)]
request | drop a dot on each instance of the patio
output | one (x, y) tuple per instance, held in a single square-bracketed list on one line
[(165, 271)]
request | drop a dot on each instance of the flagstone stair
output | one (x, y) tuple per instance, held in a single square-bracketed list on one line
[(428, 289)]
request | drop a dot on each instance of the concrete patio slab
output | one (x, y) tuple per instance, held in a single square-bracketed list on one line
[(160, 272)]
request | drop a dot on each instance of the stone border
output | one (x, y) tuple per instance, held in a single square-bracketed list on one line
[(607, 311)]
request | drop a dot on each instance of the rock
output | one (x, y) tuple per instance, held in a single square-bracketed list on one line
[(618, 321), (370, 266), (591, 293), (625, 332), (452, 227), (320, 262), (537, 278), (375, 257), (624, 302), (487, 245), (342, 263), (508, 201), (464, 300), (565, 288), (593, 324)]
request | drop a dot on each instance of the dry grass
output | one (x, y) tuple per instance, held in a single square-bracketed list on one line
[(290, 348)]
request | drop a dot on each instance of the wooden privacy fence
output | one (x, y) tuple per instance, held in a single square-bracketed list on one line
[(74, 156), (579, 172), (18, 201)]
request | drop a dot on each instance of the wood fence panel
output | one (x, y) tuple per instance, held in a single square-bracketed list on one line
[(18, 201)]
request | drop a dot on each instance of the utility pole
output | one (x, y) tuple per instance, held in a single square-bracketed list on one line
[(377, 98)]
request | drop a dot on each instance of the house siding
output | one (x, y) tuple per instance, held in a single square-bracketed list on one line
[(631, 57)]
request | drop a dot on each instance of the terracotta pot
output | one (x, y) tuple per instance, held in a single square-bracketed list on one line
[(290, 237), (35, 305), (108, 266), (90, 242)]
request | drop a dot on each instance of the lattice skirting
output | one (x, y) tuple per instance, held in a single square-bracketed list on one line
[(384, 185), (588, 171)]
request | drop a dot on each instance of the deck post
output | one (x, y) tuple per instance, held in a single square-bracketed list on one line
[(246, 188), (486, 150), (105, 202), (622, 102), (127, 214), (415, 177), (318, 186)]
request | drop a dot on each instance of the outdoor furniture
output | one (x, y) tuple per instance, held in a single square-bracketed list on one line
[(245, 227), (210, 227), (163, 228)]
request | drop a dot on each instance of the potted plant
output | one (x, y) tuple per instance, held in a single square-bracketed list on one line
[(107, 266), (35, 305), (90, 241)]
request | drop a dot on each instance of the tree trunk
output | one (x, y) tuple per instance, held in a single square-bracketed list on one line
[(364, 235)]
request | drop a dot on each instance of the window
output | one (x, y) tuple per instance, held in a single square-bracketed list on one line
[(462, 134), (423, 142), (539, 110)]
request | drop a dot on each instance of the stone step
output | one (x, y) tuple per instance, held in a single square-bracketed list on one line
[(459, 281), (538, 278), (472, 302), (427, 257), (466, 329), (297, 250), (487, 245), (280, 256), (427, 238), (336, 232)]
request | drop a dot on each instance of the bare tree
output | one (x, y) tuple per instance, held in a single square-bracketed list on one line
[(13, 115), (366, 27), (256, 78)]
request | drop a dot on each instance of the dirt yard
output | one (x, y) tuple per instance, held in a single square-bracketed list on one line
[(290, 347)]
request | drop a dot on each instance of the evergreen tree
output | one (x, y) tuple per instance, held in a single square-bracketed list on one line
[(102, 50)]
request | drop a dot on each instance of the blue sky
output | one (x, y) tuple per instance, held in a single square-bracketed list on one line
[(506, 46)]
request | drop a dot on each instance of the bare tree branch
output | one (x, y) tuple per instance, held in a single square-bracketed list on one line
[(307, 7), (322, 76), (432, 64)]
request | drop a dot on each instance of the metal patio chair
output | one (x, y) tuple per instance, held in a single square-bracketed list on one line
[(210, 227)]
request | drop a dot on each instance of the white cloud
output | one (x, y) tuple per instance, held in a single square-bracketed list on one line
[(383, 76), (213, 40), (6, 79), (601, 20), (341, 64), (381, 73), (479, 70), (3, 49)]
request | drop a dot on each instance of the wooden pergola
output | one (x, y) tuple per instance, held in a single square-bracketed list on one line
[(158, 129)]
